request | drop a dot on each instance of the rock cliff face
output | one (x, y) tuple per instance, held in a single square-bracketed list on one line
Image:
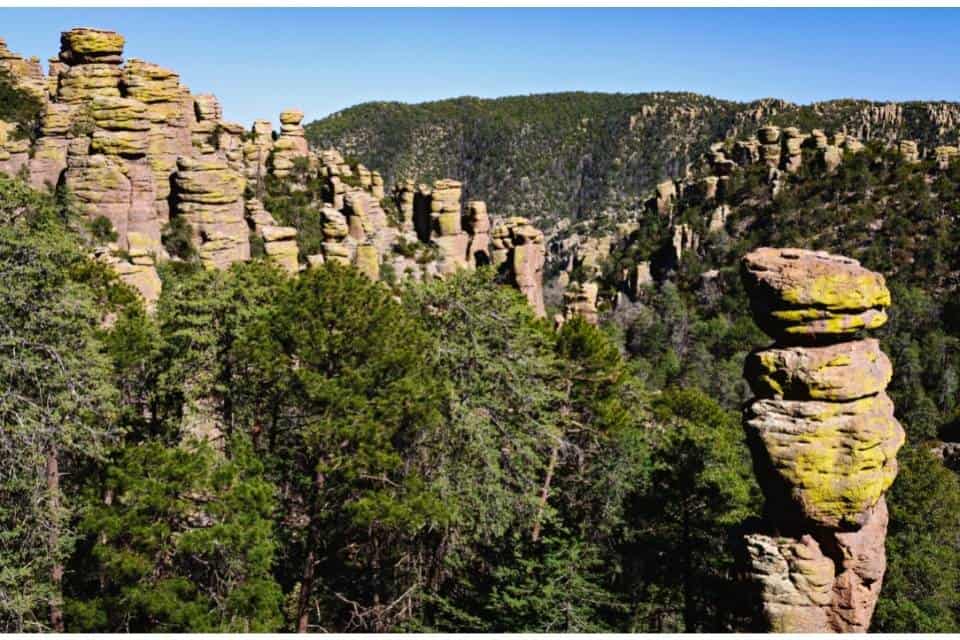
[(823, 437), (138, 148), (580, 253)]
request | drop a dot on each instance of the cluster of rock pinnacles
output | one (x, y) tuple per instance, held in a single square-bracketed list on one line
[(823, 437), (136, 147)]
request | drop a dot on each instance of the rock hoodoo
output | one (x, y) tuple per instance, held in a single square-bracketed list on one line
[(520, 246), (136, 147), (823, 437)]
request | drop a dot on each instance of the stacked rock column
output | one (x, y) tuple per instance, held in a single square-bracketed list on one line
[(446, 225), (209, 196), (823, 438), (290, 145)]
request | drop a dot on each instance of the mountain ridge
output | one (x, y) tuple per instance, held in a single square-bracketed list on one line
[(576, 154)]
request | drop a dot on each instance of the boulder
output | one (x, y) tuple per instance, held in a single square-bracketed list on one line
[(809, 295), (834, 372), (89, 46)]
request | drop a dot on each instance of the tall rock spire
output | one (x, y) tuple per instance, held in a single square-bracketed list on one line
[(823, 438)]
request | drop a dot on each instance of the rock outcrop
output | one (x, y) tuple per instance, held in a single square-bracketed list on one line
[(279, 242), (823, 438), (290, 145), (580, 300), (209, 196), (136, 147), (520, 246), (909, 151)]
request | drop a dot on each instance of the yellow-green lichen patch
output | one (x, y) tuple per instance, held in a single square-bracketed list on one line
[(837, 457)]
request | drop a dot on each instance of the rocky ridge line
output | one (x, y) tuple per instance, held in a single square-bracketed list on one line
[(136, 147)]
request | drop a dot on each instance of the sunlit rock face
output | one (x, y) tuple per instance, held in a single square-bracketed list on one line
[(823, 437), (138, 149)]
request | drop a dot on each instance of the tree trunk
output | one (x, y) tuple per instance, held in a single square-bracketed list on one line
[(689, 609), (545, 491), (53, 540), (306, 588), (309, 566)]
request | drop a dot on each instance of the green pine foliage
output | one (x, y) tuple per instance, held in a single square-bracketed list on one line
[(923, 548), (57, 405), (184, 542), (326, 453)]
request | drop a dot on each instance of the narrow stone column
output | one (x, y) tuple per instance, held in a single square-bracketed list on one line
[(823, 438)]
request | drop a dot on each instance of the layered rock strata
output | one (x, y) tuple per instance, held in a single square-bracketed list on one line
[(279, 242), (823, 437), (136, 147), (209, 196)]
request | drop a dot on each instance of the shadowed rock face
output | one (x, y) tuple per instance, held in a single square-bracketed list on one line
[(823, 438)]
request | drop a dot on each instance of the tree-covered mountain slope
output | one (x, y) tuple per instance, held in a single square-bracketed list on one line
[(576, 155)]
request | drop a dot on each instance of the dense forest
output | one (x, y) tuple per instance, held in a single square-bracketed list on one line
[(326, 453)]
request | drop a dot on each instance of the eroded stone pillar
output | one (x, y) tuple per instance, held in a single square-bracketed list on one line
[(823, 438)]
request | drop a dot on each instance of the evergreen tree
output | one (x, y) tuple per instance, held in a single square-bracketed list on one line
[(919, 592), (57, 406), (351, 373), (184, 544)]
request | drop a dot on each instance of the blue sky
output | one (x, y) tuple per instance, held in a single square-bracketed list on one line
[(259, 61)]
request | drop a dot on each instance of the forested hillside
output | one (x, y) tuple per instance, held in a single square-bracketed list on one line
[(266, 449), (570, 156)]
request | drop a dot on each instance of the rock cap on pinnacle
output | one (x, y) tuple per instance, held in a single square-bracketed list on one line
[(801, 294)]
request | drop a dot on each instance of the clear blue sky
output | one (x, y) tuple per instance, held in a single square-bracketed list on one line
[(259, 61)]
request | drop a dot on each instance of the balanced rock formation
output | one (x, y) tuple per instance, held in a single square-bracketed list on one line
[(823, 438), (290, 145)]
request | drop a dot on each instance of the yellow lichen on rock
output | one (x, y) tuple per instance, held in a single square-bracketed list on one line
[(822, 433)]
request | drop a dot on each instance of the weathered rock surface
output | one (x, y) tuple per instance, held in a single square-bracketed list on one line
[(823, 437), (837, 458), (806, 295), (580, 300), (138, 148), (290, 145), (520, 246), (842, 371), (209, 196)]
